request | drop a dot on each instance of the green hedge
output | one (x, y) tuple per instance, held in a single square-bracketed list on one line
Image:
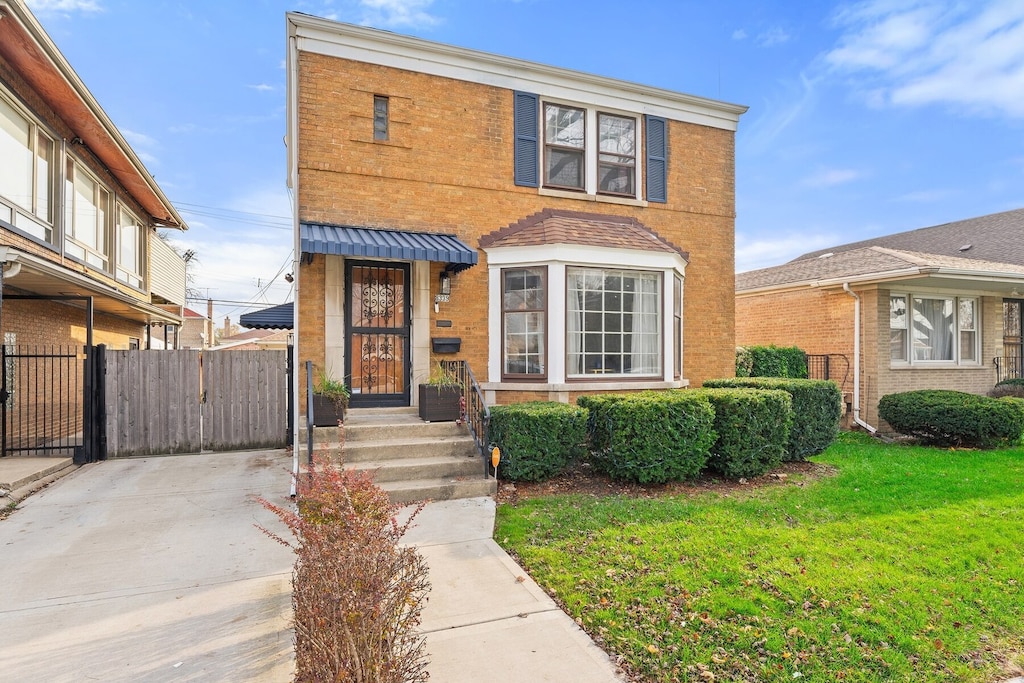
[(771, 361), (954, 418), (817, 406), (1013, 386), (753, 428), (650, 437), (537, 440)]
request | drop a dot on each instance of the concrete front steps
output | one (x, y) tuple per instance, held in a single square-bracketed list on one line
[(410, 459)]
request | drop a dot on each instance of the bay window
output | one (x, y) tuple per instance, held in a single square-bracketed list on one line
[(933, 329), (613, 322), (524, 310)]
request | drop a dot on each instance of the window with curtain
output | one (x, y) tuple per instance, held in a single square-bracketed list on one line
[(927, 329), (129, 248), (524, 319), (86, 204), (26, 174), (613, 322)]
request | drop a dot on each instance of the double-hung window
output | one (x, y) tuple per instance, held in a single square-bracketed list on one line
[(565, 147), (927, 329), (613, 322), (524, 310), (26, 174), (616, 163), (86, 205)]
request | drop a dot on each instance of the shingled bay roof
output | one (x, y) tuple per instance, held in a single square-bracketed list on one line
[(996, 237), (869, 263), (555, 226)]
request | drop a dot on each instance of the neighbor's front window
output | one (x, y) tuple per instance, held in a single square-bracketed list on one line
[(613, 322), (86, 204), (524, 312), (926, 329), (26, 174)]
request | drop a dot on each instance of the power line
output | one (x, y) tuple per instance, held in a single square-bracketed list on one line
[(217, 208)]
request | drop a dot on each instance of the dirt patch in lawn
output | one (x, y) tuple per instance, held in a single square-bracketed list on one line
[(583, 479)]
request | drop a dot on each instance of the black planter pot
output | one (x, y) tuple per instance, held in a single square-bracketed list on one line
[(325, 413), (439, 404)]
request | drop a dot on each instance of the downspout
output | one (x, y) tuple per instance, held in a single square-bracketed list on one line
[(856, 359), (292, 137)]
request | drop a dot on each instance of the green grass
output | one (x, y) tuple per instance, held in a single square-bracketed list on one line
[(907, 565)]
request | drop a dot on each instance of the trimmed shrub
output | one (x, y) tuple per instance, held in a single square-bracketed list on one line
[(753, 429), (357, 593), (771, 361), (599, 426), (652, 437), (538, 439), (1013, 386), (817, 406), (953, 418)]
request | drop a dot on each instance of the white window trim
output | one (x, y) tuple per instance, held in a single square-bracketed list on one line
[(109, 219), (36, 127), (140, 255), (591, 153), (957, 361), (557, 258)]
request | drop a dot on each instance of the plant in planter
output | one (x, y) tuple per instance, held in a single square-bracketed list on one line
[(330, 399), (441, 396)]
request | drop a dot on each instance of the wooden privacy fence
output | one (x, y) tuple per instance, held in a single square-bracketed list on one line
[(154, 401)]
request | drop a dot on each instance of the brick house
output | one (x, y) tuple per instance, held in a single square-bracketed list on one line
[(933, 308), (535, 222), (81, 260)]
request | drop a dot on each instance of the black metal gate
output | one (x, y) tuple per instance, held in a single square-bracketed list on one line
[(51, 401)]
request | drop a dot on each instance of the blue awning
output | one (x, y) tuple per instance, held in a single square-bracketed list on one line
[(273, 318), (340, 240)]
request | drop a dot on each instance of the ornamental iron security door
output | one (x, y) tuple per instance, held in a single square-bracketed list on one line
[(377, 324)]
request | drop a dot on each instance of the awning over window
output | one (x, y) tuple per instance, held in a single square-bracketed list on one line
[(317, 238), (273, 318)]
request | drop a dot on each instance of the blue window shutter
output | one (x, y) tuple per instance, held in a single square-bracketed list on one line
[(657, 159), (527, 125)]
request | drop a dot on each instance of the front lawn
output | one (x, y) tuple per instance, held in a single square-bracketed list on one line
[(906, 565)]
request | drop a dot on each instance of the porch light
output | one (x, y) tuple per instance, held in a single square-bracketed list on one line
[(446, 283)]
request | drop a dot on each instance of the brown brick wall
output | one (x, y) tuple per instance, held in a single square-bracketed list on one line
[(448, 168)]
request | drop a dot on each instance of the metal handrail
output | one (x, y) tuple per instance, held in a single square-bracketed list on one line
[(1008, 367), (473, 408), (310, 418)]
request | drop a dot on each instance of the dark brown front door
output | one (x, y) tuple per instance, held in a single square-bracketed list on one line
[(377, 323)]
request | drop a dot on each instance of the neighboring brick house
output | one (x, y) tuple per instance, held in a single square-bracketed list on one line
[(934, 308), (78, 209), (195, 330), (545, 218), (81, 260)]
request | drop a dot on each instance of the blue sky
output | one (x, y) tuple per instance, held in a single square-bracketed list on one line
[(865, 118)]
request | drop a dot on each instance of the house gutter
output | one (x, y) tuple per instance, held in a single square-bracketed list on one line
[(856, 359)]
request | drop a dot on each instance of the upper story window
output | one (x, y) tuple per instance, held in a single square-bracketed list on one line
[(563, 146), (26, 174), (130, 235), (86, 210), (380, 117), (933, 329)]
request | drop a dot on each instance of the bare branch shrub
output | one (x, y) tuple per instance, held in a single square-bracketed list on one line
[(357, 594)]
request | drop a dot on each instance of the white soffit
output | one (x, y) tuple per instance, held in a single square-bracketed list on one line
[(372, 46)]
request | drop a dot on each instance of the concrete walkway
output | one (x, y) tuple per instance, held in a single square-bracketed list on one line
[(149, 570), (486, 619)]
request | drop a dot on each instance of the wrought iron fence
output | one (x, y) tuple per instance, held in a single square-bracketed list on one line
[(1007, 367), (473, 409)]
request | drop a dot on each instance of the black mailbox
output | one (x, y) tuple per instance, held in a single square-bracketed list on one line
[(446, 344)]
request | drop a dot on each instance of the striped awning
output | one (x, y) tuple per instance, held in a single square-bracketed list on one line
[(341, 240), (273, 318)]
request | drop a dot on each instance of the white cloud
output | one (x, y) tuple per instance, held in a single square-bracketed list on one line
[(776, 35), (44, 6), (739, 34), (777, 115), (261, 87), (755, 253), (830, 177), (394, 13), (143, 145), (927, 196), (921, 52)]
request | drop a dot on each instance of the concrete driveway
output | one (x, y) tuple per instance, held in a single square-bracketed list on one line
[(149, 570)]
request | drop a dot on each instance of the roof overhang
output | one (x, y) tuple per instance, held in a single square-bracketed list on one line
[(274, 318), (402, 245), (27, 47), (37, 276), (995, 282)]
